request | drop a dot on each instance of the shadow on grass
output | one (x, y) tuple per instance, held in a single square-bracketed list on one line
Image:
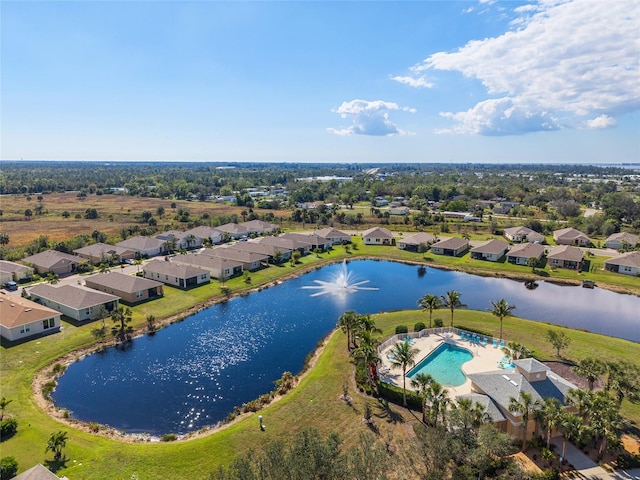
[(55, 465), (387, 412)]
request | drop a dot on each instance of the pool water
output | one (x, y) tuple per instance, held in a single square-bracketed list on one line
[(444, 364)]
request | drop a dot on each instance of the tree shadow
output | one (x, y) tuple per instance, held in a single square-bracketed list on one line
[(388, 413), (55, 465)]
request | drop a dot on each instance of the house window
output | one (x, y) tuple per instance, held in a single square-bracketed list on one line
[(166, 277), (627, 269), (24, 329), (87, 311), (203, 276), (48, 323), (139, 294)]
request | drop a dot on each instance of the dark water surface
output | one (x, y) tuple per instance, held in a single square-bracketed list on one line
[(191, 374)]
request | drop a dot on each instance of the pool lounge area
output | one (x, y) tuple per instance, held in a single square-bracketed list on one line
[(485, 357)]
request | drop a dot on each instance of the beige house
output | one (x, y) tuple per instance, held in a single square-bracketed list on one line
[(626, 263), (144, 246), (234, 231), (565, 256), (522, 234), (14, 272), (250, 261), (74, 301), (292, 244), (451, 247), (131, 289), (52, 261), (180, 240), (206, 233), (520, 254), (21, 318), (571, 236), (378, 236), (218, 268), (176, 274), (104, 253), (258, 227), (333, 235), (621, 241), (316, 241), (412, 242), (492, 250), (272, 252)]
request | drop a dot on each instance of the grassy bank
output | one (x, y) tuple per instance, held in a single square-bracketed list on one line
[(313, 403)]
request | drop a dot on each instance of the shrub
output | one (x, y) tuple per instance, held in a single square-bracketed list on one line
[(8, 468), (8, 428), (402, 329), (94, 427), (169, 437), (438, 322), (58, 369), (47, 388), (418, 327), (394, 394)]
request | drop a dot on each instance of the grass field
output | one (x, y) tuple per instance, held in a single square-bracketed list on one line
[(313, 403)]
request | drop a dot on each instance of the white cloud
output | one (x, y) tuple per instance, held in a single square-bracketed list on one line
[(568, 60), (601, 122), (369, 118), (419, 82)]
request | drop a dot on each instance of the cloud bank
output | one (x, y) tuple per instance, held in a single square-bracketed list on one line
[(564, 64), (369, 118)]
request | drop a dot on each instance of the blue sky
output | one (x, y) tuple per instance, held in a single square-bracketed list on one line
[(423, 81)]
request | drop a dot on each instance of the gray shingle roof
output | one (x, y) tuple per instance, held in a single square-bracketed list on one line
[(122, 282), (74, 296), (526, 250), (566, 252), (179, 270), (489, 405), (629, 259), (494, 246)]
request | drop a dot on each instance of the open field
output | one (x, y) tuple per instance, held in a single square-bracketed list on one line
[(313, 403)]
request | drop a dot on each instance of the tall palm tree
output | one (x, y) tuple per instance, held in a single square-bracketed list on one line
[(605, 419), (573, 430), (347, 323), (550, 416), (452, 301), (590, 369), (364, 325), (403, 356), (57, 441), (623, 380), (523, 406), (430, 303), (422, 382), (501, 309), (121, 315), (367, 354)]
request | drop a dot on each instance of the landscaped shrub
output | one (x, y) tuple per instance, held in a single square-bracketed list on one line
[(402, 329), (169, 437), (8, 428), (418, 327), (394, 394), (438, 323), (8, 468)]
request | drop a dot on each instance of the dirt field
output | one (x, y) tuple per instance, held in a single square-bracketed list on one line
[(122, 208)]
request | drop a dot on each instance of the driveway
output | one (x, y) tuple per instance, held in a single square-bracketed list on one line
[(588, 469)]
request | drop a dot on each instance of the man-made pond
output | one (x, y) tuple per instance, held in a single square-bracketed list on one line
[(191, 374)]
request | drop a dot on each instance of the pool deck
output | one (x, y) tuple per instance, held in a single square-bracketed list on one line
[(485, 359)]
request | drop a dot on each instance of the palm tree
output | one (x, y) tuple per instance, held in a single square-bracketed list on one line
[(347, 323), (422, 382), (604, 420), (367, 354), (191, 239), (550, 415), (623, 380), (57, 441), (501, 309), (121, 315), (403, 356), (364, 325), (452, 301), (590, 369), (572, 430), (430, 303), (438, 398), (524, 406), (3, 404)]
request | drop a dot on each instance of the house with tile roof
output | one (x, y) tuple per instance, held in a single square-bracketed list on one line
[(621, 241), (291, 243), (378, 236), (491, 250), (176, 274), (52, 261), (452, 247), (626, 263), (520, 254), (565, 256), (74, 301), (21, 318), (130, 288)]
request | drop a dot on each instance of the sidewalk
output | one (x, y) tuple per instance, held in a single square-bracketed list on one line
[(588, 469)]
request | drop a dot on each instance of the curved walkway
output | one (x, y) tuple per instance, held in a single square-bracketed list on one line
[(588, 469)]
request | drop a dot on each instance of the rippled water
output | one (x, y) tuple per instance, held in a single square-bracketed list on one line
[(193, 373)]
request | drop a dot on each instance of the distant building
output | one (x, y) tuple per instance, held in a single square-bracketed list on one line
[(103, 253), (571, 236), (621, 241), (10, 271), (52, 261)]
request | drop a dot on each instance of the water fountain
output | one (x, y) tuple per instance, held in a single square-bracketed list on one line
[(341, 283)]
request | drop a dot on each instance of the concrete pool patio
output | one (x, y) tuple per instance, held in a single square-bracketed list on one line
[(485, 356)]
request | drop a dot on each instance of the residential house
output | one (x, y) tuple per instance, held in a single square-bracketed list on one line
[(258, 227), (399, 210), (292, 244), (522, 234), (14, 272), (316, 241), (565, 256), (75, 301), (209, 234), (378, 236), (531, 377), (177, 240), (233, 231), (571, 236), (492, 250), (621, 241), (21, 318), (275, 254), (626, 263), (250, 261), (144, 246), (452, 247), (104, 253), (176, 274), (52, 261), (335, 236), (413, 242), (218, 268), (38, 472), (520, 254), (130, 288)]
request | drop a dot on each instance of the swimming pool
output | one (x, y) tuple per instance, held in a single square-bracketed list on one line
[(444, 365)]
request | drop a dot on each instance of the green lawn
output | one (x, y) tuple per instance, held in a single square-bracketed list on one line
[(315, 402)]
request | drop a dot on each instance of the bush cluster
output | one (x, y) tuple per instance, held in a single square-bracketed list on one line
[(402, 329), (8, 428), (394, 394)]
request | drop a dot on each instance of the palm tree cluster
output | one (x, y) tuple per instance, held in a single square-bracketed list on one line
[(450, 300), (362, 342)]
